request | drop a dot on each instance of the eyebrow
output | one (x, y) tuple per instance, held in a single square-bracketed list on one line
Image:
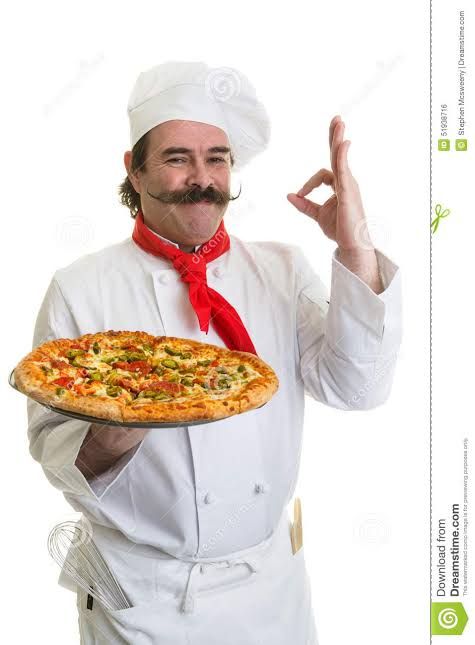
[(180, 150)]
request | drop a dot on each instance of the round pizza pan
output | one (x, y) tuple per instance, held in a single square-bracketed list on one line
[(121, 424)]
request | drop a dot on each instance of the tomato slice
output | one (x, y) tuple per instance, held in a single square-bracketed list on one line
[(64, 381)]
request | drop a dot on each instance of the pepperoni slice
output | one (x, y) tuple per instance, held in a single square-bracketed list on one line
[(64, 381), (59, 364), (166, 386), (141, 367), (127, 384)]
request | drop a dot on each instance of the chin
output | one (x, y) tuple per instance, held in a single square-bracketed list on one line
[(201, 228)]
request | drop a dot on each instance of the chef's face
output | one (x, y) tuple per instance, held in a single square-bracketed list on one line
[(184, 186)]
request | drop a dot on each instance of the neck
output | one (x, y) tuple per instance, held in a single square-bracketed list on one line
[(187, 249)]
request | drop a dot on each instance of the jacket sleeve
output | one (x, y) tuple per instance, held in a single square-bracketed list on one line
[(348, 340), (55, 439)]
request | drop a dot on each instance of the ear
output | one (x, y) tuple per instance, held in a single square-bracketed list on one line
[(133, 176)]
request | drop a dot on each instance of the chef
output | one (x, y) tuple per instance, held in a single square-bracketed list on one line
[(193, 520)]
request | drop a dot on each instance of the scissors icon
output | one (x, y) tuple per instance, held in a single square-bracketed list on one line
[(440, 214)]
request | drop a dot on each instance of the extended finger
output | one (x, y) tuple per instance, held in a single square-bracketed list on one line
[(337, 139), (323, 176), (333, 123)]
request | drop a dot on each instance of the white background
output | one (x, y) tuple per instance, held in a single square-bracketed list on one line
[(69, 69)]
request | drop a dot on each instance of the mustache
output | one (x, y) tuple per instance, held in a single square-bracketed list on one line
[(194, 196)]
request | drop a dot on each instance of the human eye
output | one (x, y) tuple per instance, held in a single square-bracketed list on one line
[(174, 159), (219, 159)]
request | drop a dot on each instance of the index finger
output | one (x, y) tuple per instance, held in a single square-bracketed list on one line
[(333, 123)]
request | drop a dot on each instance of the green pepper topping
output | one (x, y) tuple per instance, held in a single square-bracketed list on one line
[(159, 370), (241, 368), (168, 362), (153, 394), (185, 355), (172, 352), (95, 376), (46, 369), (76, 363), (112, 376), (221, 369), (113, 390), (95, 347), (147, 348), (223, 383), (60, 391), (204, 363), (133, 356), (109, 359), (186, 381), (72, 353)]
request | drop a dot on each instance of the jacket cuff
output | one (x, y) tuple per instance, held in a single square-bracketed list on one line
[(362, 323), (58, 461)]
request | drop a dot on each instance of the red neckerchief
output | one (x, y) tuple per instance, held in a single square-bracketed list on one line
[(208, 304)]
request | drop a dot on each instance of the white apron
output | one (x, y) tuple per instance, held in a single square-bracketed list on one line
[(257, 596)]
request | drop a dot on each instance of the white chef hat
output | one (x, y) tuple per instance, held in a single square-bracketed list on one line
[(192, 91)]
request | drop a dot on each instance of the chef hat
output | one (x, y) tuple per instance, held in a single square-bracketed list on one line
[(192, 91)]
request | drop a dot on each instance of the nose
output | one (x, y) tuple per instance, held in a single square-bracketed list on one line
[(199, 174)]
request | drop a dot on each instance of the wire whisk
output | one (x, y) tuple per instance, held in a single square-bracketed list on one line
[(71, 546)]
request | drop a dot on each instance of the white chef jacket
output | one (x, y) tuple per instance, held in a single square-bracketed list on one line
[(210, 489)]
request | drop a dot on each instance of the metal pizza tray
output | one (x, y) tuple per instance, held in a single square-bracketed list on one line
[(121, 424)]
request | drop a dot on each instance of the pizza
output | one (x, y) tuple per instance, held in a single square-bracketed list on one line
[(126, 376)]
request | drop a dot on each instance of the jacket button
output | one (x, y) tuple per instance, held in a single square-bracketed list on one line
[(209, 498), (261, 487), (218, 272), (164, 278)]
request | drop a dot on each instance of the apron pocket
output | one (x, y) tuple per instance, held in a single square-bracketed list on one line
[(155, 623)]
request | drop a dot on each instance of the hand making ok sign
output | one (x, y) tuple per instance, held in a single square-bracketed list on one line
[(341, 217)]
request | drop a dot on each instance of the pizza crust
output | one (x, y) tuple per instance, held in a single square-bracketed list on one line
[(208, 405)]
